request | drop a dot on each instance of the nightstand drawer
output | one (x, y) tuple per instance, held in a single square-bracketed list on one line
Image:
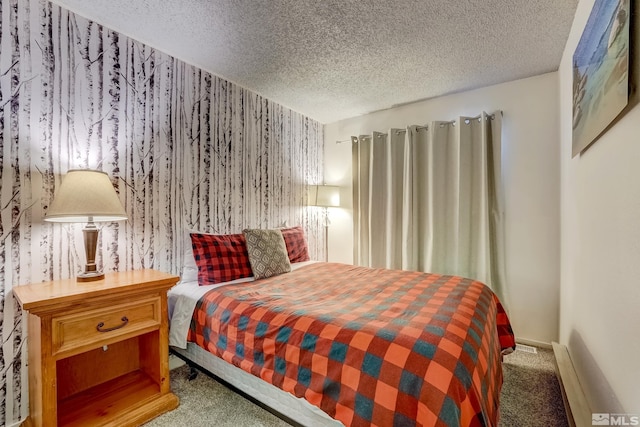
[(94, 326)]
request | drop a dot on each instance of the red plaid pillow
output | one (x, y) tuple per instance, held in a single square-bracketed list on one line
[(296, 244), (220, 258)]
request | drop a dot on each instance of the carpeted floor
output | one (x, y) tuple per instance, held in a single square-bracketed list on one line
[(531, 394), (205, 402), (530, 398)]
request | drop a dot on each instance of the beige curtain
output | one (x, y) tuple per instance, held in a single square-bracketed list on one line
[(429, 198)]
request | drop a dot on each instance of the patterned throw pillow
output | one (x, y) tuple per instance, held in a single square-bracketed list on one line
[(296, 244), (267, 253), (220, 258)]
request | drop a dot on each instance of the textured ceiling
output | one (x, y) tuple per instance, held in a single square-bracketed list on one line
[(336, 59)]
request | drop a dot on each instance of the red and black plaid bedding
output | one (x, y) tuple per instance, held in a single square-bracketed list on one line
[(367, 346)]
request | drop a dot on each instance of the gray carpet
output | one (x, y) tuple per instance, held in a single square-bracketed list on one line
[(530, 398), (531, 394)]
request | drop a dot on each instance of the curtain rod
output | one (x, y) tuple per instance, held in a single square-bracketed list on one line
[(354, 139)]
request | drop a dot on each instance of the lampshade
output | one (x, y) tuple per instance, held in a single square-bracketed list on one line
[(85, 196), (324, 195)]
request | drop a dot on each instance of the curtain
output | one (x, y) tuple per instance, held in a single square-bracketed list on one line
[(429, 198)]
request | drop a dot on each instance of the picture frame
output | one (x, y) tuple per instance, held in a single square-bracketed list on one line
[(601, 72)]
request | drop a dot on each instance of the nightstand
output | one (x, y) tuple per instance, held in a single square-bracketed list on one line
[(98, 351)]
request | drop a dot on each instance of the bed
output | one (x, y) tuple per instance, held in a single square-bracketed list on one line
[(334, 344)]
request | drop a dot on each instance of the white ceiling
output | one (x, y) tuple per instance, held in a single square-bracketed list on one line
[(336, 59)]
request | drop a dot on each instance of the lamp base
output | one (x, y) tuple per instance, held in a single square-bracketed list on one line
[(91, 272), (90, 277)]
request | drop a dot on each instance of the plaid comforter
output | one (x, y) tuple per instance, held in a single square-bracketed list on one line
[(367, 346)]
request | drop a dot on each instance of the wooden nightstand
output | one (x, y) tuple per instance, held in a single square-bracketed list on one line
[(98, 351)]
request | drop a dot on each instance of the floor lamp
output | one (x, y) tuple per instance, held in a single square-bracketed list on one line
[(325, 196)]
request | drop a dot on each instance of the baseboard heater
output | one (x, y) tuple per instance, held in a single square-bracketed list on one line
[(575, 402)]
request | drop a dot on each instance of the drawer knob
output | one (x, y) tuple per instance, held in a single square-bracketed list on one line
[(101, 327)]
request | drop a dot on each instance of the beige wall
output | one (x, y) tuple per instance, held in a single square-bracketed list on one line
[(531, 176), (600, 292)]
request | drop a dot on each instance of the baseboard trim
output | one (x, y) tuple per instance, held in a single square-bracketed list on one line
[(575, 402), (534, 343)]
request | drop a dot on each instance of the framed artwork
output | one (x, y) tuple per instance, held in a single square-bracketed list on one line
[(600, 71)]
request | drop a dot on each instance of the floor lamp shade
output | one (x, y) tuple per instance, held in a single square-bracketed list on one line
[(86, 196), (324, 195)]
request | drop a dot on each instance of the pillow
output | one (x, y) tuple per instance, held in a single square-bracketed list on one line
[(296, 244), (220, 258), (189, 267), (267, 253)]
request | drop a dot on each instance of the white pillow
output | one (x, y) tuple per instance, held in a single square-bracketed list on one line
[(189, 268)]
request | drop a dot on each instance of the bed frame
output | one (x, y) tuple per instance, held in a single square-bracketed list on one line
[(286, 406)]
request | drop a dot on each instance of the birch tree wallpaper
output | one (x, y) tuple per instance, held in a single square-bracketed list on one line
[(184, 149)]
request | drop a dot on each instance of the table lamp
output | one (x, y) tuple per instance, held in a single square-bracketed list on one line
[(86, 196)]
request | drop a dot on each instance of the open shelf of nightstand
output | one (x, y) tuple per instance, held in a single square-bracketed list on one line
[(107, 382), (109, 401)]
